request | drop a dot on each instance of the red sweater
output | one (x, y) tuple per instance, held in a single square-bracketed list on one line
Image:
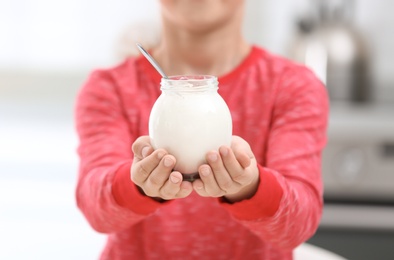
[(278, 107)]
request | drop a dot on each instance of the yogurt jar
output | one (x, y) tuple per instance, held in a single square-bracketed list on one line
[(189, 119)]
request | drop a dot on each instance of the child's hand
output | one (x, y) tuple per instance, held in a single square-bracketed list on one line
[(152, 172), (230, 172)]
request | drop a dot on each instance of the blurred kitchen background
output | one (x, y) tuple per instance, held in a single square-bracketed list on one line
[(47, 49)]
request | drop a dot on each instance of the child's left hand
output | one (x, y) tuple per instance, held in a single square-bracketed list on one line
[(231, 172)]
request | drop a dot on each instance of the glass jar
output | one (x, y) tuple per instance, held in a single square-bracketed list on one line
[(189, 119)]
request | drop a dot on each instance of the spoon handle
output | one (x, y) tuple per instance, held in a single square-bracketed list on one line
[(151, 60)]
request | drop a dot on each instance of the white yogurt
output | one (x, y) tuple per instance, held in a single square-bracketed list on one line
[(189, 119)]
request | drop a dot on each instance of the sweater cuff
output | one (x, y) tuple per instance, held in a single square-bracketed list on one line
[(127, 195), (263, 204)]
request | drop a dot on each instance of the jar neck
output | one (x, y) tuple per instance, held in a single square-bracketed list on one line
[(186, 83)]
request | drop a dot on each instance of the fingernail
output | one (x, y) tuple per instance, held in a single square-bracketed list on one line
[(145, 151), (213, 157), (205, 171), (167, 162), (160, 155), (174, 179), (224, 151)]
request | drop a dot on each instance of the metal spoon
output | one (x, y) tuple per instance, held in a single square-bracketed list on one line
[(152, 61)]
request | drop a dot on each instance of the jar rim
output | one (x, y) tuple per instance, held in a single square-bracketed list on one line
[(190, 78), (187, 83)]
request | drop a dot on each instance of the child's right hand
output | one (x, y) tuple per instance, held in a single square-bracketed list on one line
[(152, 172)]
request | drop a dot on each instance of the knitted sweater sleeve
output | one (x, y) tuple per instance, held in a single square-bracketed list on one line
[(287, 207), (105, 159)]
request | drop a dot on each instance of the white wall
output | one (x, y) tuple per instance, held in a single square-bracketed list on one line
[(65, 34)]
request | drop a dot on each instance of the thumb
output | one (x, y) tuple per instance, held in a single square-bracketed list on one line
[(243, 159), (142, 147)]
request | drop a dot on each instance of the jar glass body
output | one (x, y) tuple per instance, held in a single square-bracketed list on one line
[(189, 119)]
